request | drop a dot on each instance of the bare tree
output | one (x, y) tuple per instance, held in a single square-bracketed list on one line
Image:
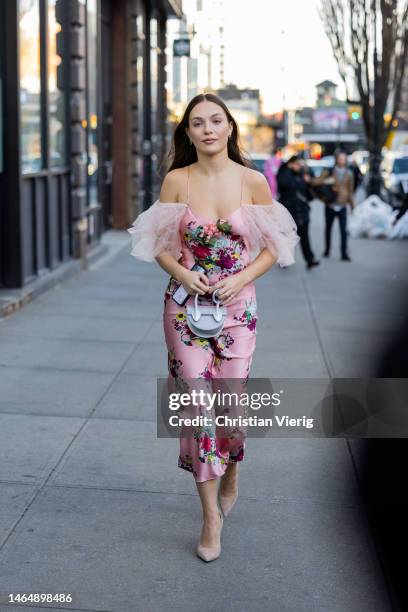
[(369, 39)]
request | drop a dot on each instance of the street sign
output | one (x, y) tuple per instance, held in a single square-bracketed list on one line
[(181, 47)]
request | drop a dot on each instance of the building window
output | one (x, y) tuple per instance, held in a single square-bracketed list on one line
[(30, 85), (140, 97), (154, 76), (56, 95), (154, 71), (92, 53), (1, 111)]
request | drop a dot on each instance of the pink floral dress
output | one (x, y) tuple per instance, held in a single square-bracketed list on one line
[(222, 248)]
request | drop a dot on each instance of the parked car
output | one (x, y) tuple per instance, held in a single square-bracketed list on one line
[(395, 176)]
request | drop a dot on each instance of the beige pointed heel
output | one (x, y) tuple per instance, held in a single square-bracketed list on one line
[(210, 553), (227, 502)]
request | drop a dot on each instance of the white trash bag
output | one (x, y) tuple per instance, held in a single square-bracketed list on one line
[(372, 219)]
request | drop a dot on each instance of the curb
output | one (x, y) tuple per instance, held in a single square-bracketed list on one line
[(12, 300)]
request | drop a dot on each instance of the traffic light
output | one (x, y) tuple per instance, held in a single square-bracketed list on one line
[(354, 112)]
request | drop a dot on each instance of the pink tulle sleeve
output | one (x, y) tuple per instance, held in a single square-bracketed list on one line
[(156, 230), (272, 226)]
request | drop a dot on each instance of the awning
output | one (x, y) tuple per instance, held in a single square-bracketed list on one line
[(172, 8), (326, 137)]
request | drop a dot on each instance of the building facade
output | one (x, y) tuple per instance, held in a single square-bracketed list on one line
[(83, 125), (332, 124)]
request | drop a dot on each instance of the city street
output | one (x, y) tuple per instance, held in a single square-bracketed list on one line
[(93, 504), (111, 113)]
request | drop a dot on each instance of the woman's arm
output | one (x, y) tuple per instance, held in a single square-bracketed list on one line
[(230, 286), (168, 194), (193, 282), (261, 194)]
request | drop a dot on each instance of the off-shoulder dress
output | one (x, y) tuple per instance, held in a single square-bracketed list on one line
[(222, 247)]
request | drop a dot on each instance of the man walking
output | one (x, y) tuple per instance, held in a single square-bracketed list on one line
[(295, 194), (341, 180)]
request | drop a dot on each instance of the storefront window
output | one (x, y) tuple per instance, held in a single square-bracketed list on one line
[(154, 72), (140, 93), (154, 82), (92, 101), (30, 85), (1, 112), (56, 96)]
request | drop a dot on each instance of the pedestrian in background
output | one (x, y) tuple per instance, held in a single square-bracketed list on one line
[(340, 180), (271, 168), (295, 194), (357, 174)]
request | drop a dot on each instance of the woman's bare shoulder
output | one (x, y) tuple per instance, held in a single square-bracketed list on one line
[(171, 186), (253, 175), (258, 187)]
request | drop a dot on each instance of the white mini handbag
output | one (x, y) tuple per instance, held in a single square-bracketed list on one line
[(206, 321)]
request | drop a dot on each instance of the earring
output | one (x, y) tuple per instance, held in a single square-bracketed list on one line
[(191, 142)]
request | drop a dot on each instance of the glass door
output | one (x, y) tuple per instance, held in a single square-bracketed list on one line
[(2, 185), (93, 120), (106, 136)]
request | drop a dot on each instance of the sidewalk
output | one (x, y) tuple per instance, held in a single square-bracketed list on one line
[(93, 504)]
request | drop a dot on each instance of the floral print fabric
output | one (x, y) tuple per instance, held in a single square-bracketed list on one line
[(221, 249), (215, 247)]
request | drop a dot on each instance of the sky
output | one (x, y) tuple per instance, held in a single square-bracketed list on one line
[(280, 47)]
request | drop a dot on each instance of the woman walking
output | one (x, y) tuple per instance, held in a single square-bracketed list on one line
[(214, 211), (271, 167)]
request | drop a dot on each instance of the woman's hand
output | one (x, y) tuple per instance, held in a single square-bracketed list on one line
[(194, 282), (230, 286)]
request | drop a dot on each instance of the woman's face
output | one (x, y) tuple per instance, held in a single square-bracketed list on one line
[(208, 122)]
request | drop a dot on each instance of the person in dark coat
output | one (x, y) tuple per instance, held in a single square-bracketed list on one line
[(295, 194), (358, 176), (403, 193)]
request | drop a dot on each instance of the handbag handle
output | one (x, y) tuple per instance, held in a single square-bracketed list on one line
[(196, 314), (218, 315), (215, 293)]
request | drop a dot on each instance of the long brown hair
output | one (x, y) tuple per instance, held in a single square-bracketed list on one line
[(182, 153)]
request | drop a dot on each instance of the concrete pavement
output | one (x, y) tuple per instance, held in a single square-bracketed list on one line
[(93, 504)]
